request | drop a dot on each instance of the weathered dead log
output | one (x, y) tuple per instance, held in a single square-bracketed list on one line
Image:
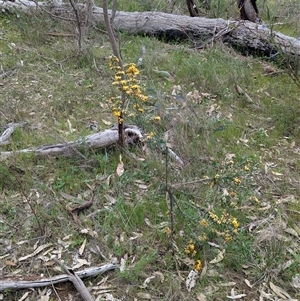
[(242, 34), (16, 283), (107, 138)]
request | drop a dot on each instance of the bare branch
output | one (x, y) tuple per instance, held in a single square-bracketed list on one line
[(14, 283)]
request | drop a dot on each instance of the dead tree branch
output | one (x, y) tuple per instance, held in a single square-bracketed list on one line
[(15, 283), (107, 138)]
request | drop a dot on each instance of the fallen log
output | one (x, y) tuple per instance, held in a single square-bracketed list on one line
[(107, 138), (241, 34), (16, 283)]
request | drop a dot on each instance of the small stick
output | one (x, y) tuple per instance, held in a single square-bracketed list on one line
[(77, 282)]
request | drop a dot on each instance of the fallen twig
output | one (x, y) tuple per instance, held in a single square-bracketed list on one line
[(11, 71), (16, 283), (77, 282), (8, 132), (76, 211)]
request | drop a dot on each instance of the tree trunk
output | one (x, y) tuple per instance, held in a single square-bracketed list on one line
[(245, 35), (248, 10)]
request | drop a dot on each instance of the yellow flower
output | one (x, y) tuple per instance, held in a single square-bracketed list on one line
[(202, 238), (227, 237), (167, 230), (198, 265), (117, 113), (237, 181), (191, 247), (156, 118), (246, 168), (133, 87), (143, 98), (122, 82), (187, 251), (233, 193), (204, 223), (132, 70), (150, 135), (235, 223)]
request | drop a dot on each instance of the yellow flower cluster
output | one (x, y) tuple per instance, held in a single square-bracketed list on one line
[(225, 219), (203, 223), (202, 237), (150, 135), (198, 265), (190, 249), (237, 181), (126, 80), (168, 230), (215, 180)]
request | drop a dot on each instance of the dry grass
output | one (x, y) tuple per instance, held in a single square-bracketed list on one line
[(220, 137)]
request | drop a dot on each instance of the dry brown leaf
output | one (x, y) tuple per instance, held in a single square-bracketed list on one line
[(204, 270), (277, 173), (67, 196), (144, 296), (24, 296), (106, 122), (161, 276), (228, 284), (248, 283), (38, 250), (201, 297), (122, 265), (279, 291), (10, 263), (234, 296), (239, 89), (147, 280), (107, 181), (120, 167), (291, 231), (81, 249), (219, 257), (111, 200), (148, 223), (142, 186), (136, 235), (81, 262)]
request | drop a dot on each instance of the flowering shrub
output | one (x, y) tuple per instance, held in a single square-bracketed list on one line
[(127, 82), (227, 191)]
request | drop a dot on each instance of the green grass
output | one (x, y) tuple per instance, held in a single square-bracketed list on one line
[(241, 161)]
